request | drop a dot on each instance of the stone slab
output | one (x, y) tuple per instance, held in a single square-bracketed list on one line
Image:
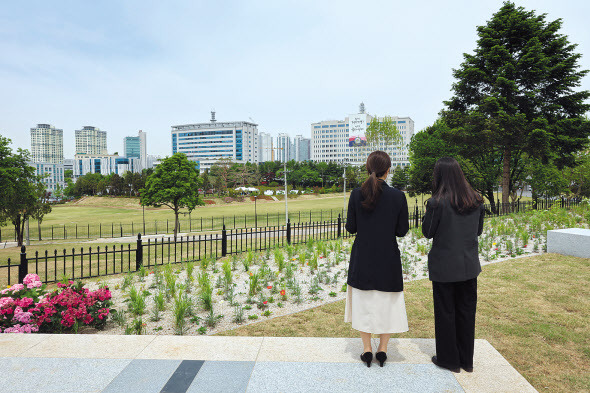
[(96, 346), (494, 379), (183, 377), (202, 348), (143, 376), (298, 377), (222, 377), (571, 241), (50, 375), (11, 345), (310, 349)]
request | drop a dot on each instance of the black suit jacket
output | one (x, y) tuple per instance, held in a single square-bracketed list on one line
[(454, 254), (375, 258)]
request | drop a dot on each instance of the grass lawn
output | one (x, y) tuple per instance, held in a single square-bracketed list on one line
[(107, 210), (535, 311)]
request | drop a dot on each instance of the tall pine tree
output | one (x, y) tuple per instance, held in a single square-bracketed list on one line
[(517, 90)]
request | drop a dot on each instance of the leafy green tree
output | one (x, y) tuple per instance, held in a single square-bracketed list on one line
[(21, 190), (68, 174), (382, 132), (175, 184), (400, 178), (578, 177), (517, 93), (426, 148), (206, 180)]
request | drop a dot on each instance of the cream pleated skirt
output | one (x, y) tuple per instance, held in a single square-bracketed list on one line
[(376, 312)]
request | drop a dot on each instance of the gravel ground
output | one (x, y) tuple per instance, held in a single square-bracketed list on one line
[(334, 266)]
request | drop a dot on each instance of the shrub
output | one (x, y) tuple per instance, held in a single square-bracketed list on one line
[(23, 309), (209, 202), (228, 199)]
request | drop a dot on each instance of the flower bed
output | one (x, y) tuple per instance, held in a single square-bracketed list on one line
[(28, 307), (210, 296)]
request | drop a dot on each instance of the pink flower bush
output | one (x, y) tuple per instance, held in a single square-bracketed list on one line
[(27, 307)]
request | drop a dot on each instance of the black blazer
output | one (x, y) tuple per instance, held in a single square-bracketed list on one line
[(375, 258), (454, 254)]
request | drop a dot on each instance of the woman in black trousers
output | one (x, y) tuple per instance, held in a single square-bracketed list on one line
[(454, 220), (375, 302)]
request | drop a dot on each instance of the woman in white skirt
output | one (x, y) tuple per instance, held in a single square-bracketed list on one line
[(375, 302)]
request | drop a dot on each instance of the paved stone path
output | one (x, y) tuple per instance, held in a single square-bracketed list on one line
[(144, 364)]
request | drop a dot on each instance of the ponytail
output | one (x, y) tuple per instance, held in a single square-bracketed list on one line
[(371, 190), (378, 163)]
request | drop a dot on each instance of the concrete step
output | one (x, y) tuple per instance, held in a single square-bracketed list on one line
[(113, 363)]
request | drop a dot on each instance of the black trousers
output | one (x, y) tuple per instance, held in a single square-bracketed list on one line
[(454, 322)]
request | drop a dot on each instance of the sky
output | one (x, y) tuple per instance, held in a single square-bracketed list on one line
[(125, 66)]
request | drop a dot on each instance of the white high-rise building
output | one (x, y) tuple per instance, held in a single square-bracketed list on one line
[(52, 173), (283, 147), (330, 140), (301, 148), (206, 143), (47, 144), (91, 140), (104, 164), (143, 157), (264, 147)]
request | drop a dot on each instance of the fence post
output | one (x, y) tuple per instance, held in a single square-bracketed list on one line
[(223, 242), (339, 225), (289, 232), (139, 253), (23, 268), (498, 205), (416, 215)]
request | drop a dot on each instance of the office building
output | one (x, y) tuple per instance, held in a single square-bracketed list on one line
[(265, 147), (52, 173), (47, 144), (301, 148), (207, 143), (104, 164), (69, 165), (283, 147), (131, 147), (135, 147), (343, 140), (91, 140)]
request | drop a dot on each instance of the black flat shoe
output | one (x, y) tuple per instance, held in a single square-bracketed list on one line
[(381, 357), (435, 361), (467, 369), (367, 357)]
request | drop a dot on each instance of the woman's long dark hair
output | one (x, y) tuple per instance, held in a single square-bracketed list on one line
[(450, 183), (378, 163)]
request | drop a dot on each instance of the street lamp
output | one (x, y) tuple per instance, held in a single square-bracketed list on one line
[(285, 180), (255, 212)]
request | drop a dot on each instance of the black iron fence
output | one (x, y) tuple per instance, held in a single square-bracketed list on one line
[(187, 224), (148, 252), (97, 261)]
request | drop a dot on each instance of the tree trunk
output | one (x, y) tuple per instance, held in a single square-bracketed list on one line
[(506, 180), (19, 231), (175, 223), (492, 199)]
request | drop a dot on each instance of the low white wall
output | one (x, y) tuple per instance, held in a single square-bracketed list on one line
[(571, 241)]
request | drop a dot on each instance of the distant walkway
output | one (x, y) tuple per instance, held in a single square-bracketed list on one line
[(102, 363)]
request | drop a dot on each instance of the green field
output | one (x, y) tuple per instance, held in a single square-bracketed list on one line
[(111, 217)]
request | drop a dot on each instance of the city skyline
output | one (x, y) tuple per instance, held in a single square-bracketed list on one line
[(150, 67)]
